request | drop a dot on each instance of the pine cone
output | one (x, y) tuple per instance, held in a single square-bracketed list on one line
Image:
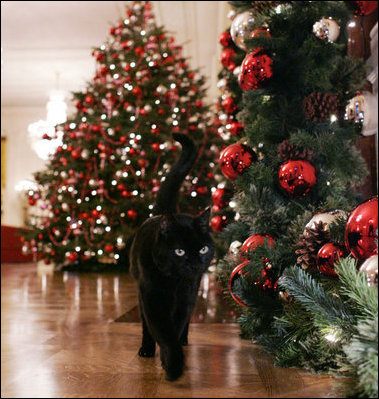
[(287, 151), (311, 242), (319, 106), (263, 6)]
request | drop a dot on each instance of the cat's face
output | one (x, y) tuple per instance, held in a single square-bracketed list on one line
[(185, 246)]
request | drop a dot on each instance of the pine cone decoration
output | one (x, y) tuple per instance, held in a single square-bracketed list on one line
[(319, 106), (263, 6), (310, 244), (288, 151)]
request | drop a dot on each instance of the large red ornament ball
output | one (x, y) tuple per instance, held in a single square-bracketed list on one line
[(235, 275), (221, 197), (227, 56), (256, 69), (218, 223), (365, 7), (361, 233), (327, 256), (229, 105), (297, 177), (254, 241), (235, 159), (225, 39)]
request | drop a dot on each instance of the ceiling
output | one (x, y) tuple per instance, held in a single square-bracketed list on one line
[(47, 45)]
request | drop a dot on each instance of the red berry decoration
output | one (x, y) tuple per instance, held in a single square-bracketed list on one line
[(327, 256), (254, 241), (221, 197), (235, 159), (256, 68), (227, 56), (225, 39), (235, 275), (218, 223), (361, 233), (229, 105), (297, 177)]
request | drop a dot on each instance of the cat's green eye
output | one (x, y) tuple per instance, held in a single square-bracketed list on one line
[(180, 252), (204, 250)]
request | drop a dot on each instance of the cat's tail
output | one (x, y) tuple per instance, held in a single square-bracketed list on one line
[(167, 197)]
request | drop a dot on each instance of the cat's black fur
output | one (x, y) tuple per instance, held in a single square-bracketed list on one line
[(168, 279)]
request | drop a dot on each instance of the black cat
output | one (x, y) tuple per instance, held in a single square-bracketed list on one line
[(169, 254)]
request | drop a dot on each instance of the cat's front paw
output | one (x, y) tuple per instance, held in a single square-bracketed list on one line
[(146, 352)]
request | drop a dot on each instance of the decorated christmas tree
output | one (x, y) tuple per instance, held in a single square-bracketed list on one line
[(100, 183), (302, 259)]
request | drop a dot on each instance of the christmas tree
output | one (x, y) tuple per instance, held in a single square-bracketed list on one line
[(302, 260), (101, 182)]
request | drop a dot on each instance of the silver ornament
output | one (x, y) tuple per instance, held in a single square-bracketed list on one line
[(241, 28), (327, 218), (370, 267), (234, 250), (326, 28)]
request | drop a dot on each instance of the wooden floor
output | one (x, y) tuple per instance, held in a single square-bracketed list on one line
[(59, 338)]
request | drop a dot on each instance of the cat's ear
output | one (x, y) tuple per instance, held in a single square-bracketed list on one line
[(203, 219), (166, 224)]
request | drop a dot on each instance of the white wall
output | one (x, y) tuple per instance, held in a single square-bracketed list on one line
[(22, 161)]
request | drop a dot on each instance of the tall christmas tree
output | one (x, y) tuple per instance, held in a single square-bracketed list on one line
[(302, 261), (101, 182)]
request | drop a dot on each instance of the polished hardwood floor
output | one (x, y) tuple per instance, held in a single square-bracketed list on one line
[(77, 335)]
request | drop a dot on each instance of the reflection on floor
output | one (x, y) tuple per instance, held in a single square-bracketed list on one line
[(59, 339), (211, 306)]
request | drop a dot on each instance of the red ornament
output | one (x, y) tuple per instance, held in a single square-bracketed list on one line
[(227, 56), (254, 241), (225, 39), (89, 100), (218, 223), (202, 190), (132, 214), (72, 256), (260, 32), (235, 159), (156, 147), (327, 256), (109, 248), (297, 177), (137, 92), (365, 7), (361, 233), (229, 105), (256, 69), (221, 197), (235, 275), (139, 51), (235, 128)]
